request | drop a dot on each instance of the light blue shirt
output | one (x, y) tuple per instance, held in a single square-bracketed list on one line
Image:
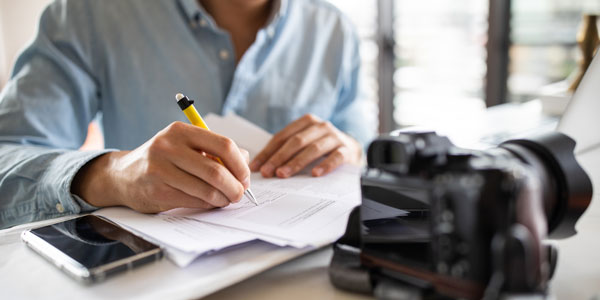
[(126, 59)]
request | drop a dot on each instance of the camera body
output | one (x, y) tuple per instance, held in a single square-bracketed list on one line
[(442, 221)]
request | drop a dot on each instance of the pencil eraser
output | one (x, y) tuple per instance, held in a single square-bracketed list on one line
[(179, 96)]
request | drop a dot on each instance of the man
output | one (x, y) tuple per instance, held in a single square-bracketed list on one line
[(288, 66)]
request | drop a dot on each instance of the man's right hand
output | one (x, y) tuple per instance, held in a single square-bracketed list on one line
[(169, 171)]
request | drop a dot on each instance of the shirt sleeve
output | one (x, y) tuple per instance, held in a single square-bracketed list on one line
[(355, 112), (45, 109)]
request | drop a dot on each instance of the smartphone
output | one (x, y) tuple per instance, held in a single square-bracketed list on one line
[(91, 248)]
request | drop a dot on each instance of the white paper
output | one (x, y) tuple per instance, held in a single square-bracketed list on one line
[(245, 134), (294, 209), (301, 211), (180, 258), (184, 238)]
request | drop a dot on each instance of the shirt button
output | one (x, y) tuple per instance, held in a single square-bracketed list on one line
[(271, 32), (60, 208), (203, 22), (224, 54)]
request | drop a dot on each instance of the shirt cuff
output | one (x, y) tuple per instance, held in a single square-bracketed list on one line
[(83, 206), (62, 172)]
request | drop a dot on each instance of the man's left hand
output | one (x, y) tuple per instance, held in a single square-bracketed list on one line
[(301, 143)]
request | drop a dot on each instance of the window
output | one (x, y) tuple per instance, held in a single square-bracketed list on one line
[(363, 14), (440, 59), (544, 48)]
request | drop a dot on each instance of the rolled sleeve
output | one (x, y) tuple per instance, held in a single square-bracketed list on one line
[(39, 186), (45, 110)]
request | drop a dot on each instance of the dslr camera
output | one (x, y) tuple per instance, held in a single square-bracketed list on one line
[(441, 222)]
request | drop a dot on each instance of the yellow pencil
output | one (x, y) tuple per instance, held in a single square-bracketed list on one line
[(187, 106)]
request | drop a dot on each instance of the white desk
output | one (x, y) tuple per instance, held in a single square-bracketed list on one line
[(25, 275), (577, 275)]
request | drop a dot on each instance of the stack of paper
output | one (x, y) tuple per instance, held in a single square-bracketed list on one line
[(301, 211)]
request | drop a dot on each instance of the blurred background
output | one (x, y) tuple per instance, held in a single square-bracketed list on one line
[(432, 61), (425, 62)]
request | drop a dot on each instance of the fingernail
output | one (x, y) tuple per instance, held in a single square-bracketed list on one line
[(246, 182), (317, 171), (254, 165), (284, 171), (267, 170)]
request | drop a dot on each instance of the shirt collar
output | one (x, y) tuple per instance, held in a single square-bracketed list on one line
[(277, 14), (195, 12), (190, 8)]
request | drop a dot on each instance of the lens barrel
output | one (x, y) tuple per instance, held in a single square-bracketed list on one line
[(567, 189)]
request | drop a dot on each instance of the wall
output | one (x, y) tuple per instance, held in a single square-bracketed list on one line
[(18, 25)]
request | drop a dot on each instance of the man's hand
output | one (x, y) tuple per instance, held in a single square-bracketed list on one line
[(170, 170), (302, 142)]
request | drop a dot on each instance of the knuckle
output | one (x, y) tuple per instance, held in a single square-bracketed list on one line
[(338, 156), (315, 148), (297, 141), (324, 125), (311, 118), (339, 153), (228, 145), (296, 166), (215, 172), (212, 196), (175, 127), (158, 147)]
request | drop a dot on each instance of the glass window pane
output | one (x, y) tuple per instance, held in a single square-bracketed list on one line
[(544, 49), (440, 67), (363, 15)]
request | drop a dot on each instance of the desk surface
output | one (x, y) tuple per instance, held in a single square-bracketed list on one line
[(577, 275), (25, 275)]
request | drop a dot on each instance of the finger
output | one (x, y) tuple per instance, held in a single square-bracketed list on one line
[(245, 154), (311, 153), (279, 139), (214, 144), (333, 160), (196, 188), (210, 171), (294, 145), (171, 198)]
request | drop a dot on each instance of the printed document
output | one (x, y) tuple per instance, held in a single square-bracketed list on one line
[(293, 209), (301, 211)]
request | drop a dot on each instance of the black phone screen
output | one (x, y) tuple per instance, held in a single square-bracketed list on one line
[(93, 241)]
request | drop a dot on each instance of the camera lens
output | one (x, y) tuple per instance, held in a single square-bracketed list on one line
[(567, 190)]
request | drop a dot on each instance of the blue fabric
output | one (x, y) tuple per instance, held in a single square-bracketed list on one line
[(127, 59)]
